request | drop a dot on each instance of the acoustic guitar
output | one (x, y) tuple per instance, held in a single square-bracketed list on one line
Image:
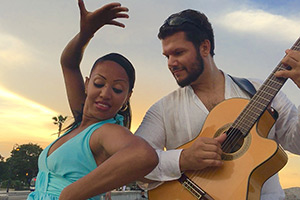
[(250, 158)]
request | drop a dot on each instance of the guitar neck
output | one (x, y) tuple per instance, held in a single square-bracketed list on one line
[(263, 97)]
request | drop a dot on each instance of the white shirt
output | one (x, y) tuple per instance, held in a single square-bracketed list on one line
[(178, 118)]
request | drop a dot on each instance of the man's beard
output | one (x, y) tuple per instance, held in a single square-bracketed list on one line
[(194, 73)]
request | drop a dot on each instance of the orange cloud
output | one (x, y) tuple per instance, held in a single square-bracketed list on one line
[(23, 121)]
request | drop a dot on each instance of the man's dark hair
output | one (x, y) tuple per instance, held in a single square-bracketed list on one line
[(194, 24)]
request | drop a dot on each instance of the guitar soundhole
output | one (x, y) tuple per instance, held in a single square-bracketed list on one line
[(235, 144)]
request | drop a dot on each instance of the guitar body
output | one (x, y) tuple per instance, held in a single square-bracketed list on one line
[(244, 170)]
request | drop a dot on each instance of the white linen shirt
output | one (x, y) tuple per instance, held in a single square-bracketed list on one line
[(178, 118)]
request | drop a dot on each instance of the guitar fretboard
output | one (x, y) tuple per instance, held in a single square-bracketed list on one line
[(260, 101)]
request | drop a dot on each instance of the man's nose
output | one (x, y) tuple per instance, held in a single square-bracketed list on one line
[(172, 61)]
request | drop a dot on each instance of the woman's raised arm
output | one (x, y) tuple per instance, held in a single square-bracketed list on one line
[(90, 23)]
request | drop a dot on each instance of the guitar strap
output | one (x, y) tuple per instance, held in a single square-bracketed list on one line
[(245, 85)]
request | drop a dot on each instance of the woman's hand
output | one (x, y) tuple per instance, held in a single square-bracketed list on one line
[(90, 22)]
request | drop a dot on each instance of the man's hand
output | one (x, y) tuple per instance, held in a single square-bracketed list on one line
[(291, 59), (204, 152)]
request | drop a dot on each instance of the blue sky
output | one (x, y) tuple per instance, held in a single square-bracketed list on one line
[(250, 38), (282, 7)]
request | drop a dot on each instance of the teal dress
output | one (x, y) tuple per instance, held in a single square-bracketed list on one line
[(70, 162)]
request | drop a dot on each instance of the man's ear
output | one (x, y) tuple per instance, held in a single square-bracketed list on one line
[(205, 48), (86, 83)]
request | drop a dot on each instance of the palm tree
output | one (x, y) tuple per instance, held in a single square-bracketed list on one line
[(59, 120)]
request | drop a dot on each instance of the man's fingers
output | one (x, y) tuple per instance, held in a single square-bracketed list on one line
[(221, 138), (211, 155), (283, 74), (213, 163)]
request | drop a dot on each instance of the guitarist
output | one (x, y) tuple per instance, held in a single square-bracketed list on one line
[(188, 44)]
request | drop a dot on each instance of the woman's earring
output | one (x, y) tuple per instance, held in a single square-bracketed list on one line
[(124, 107)]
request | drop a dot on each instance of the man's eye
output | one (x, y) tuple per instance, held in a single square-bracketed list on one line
[(118, 91), (178, 53)]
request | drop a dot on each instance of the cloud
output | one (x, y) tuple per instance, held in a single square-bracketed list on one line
[(261, 22), (13, 52), (18, 100), (23, 121)]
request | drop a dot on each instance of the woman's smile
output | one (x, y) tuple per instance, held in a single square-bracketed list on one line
[(104, 106)]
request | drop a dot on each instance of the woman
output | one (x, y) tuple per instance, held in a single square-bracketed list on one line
[(96, 154)]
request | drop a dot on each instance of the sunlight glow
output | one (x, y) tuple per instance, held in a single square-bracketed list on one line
[(25, 102), (23, 121)]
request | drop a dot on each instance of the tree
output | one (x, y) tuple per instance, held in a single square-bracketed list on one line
[(1, 158), (59, 120), (23, 163), (3, 168)]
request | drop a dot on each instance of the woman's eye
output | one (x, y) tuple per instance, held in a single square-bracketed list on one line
[(98, 85), (118, 91)]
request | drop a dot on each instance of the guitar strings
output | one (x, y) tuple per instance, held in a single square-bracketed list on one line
[(261, 96), (232, 138), (256, 107), (248, 117)]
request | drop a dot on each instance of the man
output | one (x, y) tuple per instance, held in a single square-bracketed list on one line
[(188, 44)]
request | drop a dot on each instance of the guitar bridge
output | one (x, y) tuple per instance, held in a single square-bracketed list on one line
[(193, 188)]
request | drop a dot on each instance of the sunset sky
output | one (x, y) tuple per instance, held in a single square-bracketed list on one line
[(251, 37)]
